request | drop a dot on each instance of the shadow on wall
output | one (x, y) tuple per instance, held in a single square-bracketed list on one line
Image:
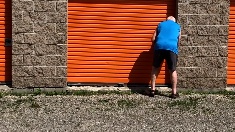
[(140, 75), (141, 70), (8, 41)]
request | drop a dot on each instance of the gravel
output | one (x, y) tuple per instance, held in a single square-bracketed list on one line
[(117, 112)]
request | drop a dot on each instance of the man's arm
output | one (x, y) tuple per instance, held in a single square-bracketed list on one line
[(154, 36), (179, 37)]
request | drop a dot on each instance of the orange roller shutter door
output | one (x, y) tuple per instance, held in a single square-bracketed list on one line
[(109, 41), (5, 32), (231, 46)]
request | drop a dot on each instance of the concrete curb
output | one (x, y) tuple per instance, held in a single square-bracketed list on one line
[(5, 88)]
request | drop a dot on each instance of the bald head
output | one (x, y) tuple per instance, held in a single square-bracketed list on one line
[(171, 18)]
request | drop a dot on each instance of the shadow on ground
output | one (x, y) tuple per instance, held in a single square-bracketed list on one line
[(144, 90)]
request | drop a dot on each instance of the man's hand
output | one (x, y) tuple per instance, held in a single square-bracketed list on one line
[(154, 36), (179, 37)]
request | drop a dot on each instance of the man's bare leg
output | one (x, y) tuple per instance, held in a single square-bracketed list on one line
[(174, 81), (154, 74)]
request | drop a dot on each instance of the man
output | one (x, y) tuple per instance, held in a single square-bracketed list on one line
[(166, 41)]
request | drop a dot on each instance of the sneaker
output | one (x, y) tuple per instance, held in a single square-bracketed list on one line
[(152, 93), (174, 96)]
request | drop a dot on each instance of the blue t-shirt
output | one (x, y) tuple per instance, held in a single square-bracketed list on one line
[(167, 36)]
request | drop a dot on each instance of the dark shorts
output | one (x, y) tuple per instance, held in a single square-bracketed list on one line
[(171, 59)]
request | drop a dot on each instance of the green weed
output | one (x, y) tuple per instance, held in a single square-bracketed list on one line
[(28, 100), (126, 103), (219, 92), (1, 95), (186, 104), (104, 100)]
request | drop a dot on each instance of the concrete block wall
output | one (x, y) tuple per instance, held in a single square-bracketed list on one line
[(202, 59), (39, 49)]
